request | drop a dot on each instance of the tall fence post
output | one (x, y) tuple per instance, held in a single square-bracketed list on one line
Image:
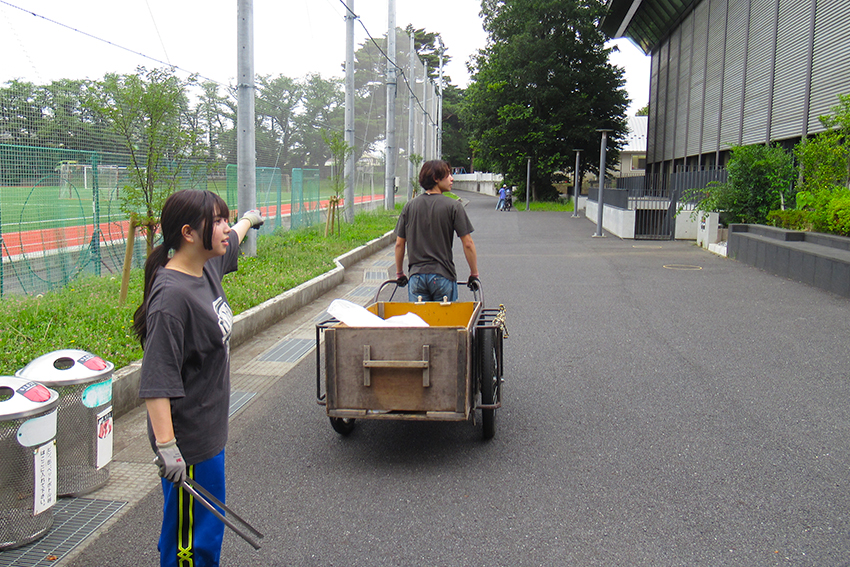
[(95, 239)]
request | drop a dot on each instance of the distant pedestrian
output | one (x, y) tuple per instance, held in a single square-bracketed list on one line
[(184, 325), (501, 204), (426, 229)]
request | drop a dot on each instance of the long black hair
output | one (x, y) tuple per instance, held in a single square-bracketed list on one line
[(198, 209)]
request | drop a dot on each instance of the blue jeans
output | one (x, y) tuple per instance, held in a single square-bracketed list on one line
[(432, 287)]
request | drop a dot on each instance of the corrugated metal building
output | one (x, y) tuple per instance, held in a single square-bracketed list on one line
[(734, 72)]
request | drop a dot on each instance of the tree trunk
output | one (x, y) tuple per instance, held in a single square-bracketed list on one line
[(128, 260)]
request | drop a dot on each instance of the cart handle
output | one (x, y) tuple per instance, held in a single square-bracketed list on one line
[(477, 294)]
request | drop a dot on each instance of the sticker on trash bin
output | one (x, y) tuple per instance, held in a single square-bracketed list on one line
[(104, 437), (37, 430), (93, 362), (34, 392), (97, 395), (45, 478)]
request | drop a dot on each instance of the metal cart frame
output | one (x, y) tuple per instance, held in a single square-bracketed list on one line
[(444, 372)]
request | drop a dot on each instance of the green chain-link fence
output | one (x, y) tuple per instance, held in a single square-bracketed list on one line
[(61, 212), (305, 197)]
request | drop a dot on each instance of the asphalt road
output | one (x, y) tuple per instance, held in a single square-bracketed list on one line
[(662, 406)]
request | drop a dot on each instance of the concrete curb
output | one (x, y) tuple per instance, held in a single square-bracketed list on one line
[(125, 380)]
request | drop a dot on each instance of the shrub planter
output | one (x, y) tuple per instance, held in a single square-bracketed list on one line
[(820, 260)]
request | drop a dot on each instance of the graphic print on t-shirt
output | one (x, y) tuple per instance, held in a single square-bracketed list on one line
[(225, 319)]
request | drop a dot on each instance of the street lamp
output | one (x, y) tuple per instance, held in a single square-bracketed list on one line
[(576, 184), (599, 200)]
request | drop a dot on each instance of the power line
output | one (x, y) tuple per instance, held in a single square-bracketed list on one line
[(96, 38), (400, 69), (177, 67)]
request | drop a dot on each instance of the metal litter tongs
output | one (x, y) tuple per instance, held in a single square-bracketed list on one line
[(194, 488)]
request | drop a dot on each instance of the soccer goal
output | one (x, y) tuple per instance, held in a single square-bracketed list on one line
[(75, 178)]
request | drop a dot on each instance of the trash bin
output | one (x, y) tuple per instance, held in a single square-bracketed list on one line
[(84, 424), (28, 465)]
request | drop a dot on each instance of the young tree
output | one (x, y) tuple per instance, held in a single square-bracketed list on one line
[(147, 110), (340, 150), (542, 87)]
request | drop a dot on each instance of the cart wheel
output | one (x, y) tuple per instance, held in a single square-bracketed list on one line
[(342, 425), (489, 384)]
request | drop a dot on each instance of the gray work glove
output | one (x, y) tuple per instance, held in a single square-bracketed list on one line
[(254, 217), (170, 461)]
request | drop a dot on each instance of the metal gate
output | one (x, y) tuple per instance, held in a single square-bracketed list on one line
[(657, 199)]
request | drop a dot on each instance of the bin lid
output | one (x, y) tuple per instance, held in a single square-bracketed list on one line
[(65, 367), (20, 398)]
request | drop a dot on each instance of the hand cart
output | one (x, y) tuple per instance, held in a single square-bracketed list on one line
[(443, 372)]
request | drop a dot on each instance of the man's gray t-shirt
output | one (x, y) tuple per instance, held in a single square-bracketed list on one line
[(428, 224), (187, 354)]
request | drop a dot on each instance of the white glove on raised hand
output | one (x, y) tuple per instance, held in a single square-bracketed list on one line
[(254, 217)]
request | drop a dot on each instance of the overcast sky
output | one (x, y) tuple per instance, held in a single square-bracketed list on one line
[(292, 37)]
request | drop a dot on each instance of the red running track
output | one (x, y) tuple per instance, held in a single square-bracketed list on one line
[(35, 241)]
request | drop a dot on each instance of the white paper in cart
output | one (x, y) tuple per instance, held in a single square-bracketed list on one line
[(354, 315)]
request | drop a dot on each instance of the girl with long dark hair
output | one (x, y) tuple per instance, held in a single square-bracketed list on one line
[(184, 324)]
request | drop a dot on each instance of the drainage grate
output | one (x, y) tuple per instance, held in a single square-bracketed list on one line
[(380, 276), (323, 317), (362, 291), (288, 350), (239, 399), (74, 519)]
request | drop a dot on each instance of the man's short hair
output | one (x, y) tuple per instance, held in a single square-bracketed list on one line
[(432, 172)]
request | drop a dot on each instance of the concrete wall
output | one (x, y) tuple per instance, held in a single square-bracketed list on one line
[(478, 182), (820, 260), (617, 221)]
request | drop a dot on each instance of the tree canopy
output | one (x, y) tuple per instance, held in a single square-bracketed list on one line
[(541, 88)]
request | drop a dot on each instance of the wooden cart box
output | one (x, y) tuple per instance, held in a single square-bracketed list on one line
[(423, 372)]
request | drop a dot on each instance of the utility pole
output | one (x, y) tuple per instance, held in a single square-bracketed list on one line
[(411, 117), (392, 156), (600, 202), (246, 152), (426, 123), (349, 172), (440, 105)]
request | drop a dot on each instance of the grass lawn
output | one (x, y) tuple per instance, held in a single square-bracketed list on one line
[(547, 206)]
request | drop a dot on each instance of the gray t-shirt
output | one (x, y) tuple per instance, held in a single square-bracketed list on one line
[(428, 224), (187, 354)]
